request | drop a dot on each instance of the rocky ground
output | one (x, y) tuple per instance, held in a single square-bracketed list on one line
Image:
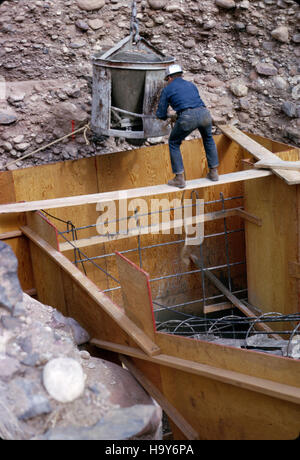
[(243, 55), (51, 387)]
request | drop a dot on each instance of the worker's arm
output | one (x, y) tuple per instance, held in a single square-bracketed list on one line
[(162, 111)]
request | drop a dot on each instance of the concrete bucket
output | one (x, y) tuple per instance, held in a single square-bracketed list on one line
[(127, 83)]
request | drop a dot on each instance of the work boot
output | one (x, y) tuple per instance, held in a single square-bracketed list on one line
[(213, 174), (178, 181)]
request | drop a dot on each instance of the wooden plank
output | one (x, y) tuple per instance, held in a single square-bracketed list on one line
[(249, 362), (272, 246), (260, 153), (116, 313), (264, 386), (168, 408), (130, 194), (10, 235), (217, 307), (137, 297), (161, 227), (235, 301), (278, 164), (249, 217)]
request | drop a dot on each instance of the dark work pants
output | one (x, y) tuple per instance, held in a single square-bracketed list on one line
[(188, 121)]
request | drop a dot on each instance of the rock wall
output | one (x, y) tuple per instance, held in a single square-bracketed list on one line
[(243, 55), (51, 387)]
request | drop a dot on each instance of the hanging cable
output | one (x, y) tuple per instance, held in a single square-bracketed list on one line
[(134, 26)]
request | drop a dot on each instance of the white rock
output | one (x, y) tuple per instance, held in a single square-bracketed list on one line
[(157, 4), (90, 5), (280, 83), (227, 4), (18, 139), (238, 88), (64, 379), (96, 24), (281, 34)]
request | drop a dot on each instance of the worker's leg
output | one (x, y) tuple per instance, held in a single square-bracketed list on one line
[(185, 124), (205, 128), (175, 141), (178, 134)]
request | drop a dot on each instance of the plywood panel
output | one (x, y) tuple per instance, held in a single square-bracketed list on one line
[(136, 292), (48, 280), (10, 223), (206, 394), (262, 365), (272, 246), (223, 412)]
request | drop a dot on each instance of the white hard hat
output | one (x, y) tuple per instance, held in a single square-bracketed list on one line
[(173, 69)]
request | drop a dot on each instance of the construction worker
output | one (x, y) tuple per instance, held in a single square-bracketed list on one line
[(183, 96)]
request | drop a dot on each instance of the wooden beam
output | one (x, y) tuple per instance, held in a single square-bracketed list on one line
[(168, 408), (129, 194), (115, 312), (249, 217), (10, 235), (248, 382), (235, 301), (278, 164), (259, 152), (161, 227), (217, 307)]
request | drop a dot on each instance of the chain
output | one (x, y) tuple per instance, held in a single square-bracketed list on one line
[(134, 27)]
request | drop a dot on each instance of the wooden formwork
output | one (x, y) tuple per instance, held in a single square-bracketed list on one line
[(209, 391)]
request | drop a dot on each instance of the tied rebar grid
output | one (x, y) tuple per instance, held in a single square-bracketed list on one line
[(193, 326), (80, 257)]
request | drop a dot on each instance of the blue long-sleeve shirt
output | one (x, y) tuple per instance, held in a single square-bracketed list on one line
[(180, 95)]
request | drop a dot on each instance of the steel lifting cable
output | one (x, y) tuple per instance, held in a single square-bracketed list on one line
[(134, 27)]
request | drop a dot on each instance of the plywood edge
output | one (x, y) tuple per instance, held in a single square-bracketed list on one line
[(39, 223), (137, 296), (259, 152), (10, 235), (267, 387), (130, 193)]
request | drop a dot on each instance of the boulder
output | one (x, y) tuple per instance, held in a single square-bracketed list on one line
[(157, 4), (238, 88), (281, 34), (90, 5), (226, 4), (7, 118)]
